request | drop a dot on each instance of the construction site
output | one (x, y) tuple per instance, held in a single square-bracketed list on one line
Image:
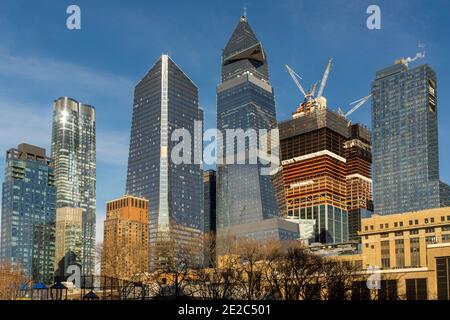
[(326, 163)]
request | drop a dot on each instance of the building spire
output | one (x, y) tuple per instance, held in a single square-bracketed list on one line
[(244, 16)]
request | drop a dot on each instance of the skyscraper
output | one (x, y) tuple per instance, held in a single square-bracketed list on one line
[(166, 100), (28, 212), (405, 140), (326, 164), (125, 241), (315, 170), (245, 101), (74, 156)]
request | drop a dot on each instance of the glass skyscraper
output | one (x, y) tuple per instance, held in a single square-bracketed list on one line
[(405, 140), (245, 100), (74, 157), (28, 212), (166, 100)]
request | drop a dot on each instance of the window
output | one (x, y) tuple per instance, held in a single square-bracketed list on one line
[(446, 238), (400, 253), (446, 228), (416, 231), (426, 220), (395, 224), (432, 220), (401, 223), (415, 251), (429, 230), (416, 289), (442, 219), (410, 222), (388, 290), (366, 228), (384, 235), (416, 221), (381, 226), (431, 240), (385, 254), (360, 291), (443, 277), (399, 233)]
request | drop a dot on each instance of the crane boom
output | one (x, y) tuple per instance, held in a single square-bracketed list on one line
[(324, 79), (359, 102), (294, 77)]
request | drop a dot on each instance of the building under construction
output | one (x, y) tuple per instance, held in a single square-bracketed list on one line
[(326, 165)]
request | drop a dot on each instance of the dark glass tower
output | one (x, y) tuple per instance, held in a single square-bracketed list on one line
[(166, 100), (209, 184), (245, 100), (28, 213), (405, 140)]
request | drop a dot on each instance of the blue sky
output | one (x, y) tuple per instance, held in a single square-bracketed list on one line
[(40, 60)]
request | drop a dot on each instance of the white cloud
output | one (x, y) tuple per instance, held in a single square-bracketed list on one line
[(51, 72), (22, 123)]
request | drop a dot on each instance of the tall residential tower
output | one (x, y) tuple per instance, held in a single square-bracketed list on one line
[(405, 140), (28, 212), (74, 156)]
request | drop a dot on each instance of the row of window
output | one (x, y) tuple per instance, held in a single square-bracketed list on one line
[(411, 222)]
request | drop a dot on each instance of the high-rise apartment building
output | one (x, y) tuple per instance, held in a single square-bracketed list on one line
[(74, 156), (28, 212), (245, 101), (125, 241), (166, 99), (405, 140)]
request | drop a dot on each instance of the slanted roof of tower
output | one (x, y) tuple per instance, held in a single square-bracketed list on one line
[(170, 60), (243, 43)]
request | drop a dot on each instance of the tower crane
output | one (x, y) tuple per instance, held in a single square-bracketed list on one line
[(323, 83), (295, 77), (358, 103)]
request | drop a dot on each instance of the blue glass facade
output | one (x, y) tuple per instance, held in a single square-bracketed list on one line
[(166, 100), (405, 139), (245, 100), (331, 222), (28, 213)]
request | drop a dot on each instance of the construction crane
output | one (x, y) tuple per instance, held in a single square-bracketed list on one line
[(323, 83), (294, 77), (358, 103), (313, 89)]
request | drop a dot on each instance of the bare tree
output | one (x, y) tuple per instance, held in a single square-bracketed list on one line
[(11, 277), (173, 265), (338, 279)]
